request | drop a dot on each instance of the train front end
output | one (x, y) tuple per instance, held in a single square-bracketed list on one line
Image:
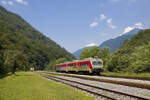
[(97, 65)]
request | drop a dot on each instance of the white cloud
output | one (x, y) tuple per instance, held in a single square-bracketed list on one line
[(139, 24), (7, 3), (128, 29), (90, 45), (94, 24), (22, 2), (10, 3), (136, 25), (109, 23), (4, 2), (102, 17), (112, 26)]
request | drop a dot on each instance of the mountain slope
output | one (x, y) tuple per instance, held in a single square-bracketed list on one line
[(78, 52), (23, 46), (115, 43), (133, 55)]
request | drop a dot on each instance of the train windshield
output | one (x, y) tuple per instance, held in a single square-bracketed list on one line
[(97, 63)]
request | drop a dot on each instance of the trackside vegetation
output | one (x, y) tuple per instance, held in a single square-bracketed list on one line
[(29, 86), (132, 57)]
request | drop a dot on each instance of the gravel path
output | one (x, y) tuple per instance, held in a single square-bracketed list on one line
[(123, 79), (125, 89), (102, 92), (111, 78)]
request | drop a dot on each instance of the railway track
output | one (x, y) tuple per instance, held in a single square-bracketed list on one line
[(125, 83), (98, 91), (112, 76), (124, 77), (130, 77)]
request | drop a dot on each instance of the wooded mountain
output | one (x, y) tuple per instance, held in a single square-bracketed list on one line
[(24, 47), (114, 44), (133, 55)]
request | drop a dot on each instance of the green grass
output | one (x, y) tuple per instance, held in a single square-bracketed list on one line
[(29, 86), (142, 75)]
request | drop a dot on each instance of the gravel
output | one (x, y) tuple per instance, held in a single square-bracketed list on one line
[(111, 78), (121, 88), (96, 90), (123, 79)]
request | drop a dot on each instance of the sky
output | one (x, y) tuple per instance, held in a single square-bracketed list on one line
[(74, 24)]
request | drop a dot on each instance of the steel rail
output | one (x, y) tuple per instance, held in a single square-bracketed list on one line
[(132, 84), (113, 76), (95, 93), (108, 90)]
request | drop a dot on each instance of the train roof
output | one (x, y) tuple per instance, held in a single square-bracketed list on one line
[(75, 61)]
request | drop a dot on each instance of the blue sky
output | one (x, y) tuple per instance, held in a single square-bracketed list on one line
[(75, 24)]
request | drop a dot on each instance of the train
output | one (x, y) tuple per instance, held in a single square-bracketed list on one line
[(88, 65)]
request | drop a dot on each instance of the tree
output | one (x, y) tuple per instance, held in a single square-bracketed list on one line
[(84, 54), (61, 60), (133, 55), (104, 52), (37, 50), (94, 51), (13, 59), (140, 59)]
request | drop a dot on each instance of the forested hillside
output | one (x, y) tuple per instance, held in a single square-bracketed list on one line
[(23, 47), (133, 56)]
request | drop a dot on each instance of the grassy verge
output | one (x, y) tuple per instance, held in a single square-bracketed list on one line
[(140, 75), (28, 86)]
